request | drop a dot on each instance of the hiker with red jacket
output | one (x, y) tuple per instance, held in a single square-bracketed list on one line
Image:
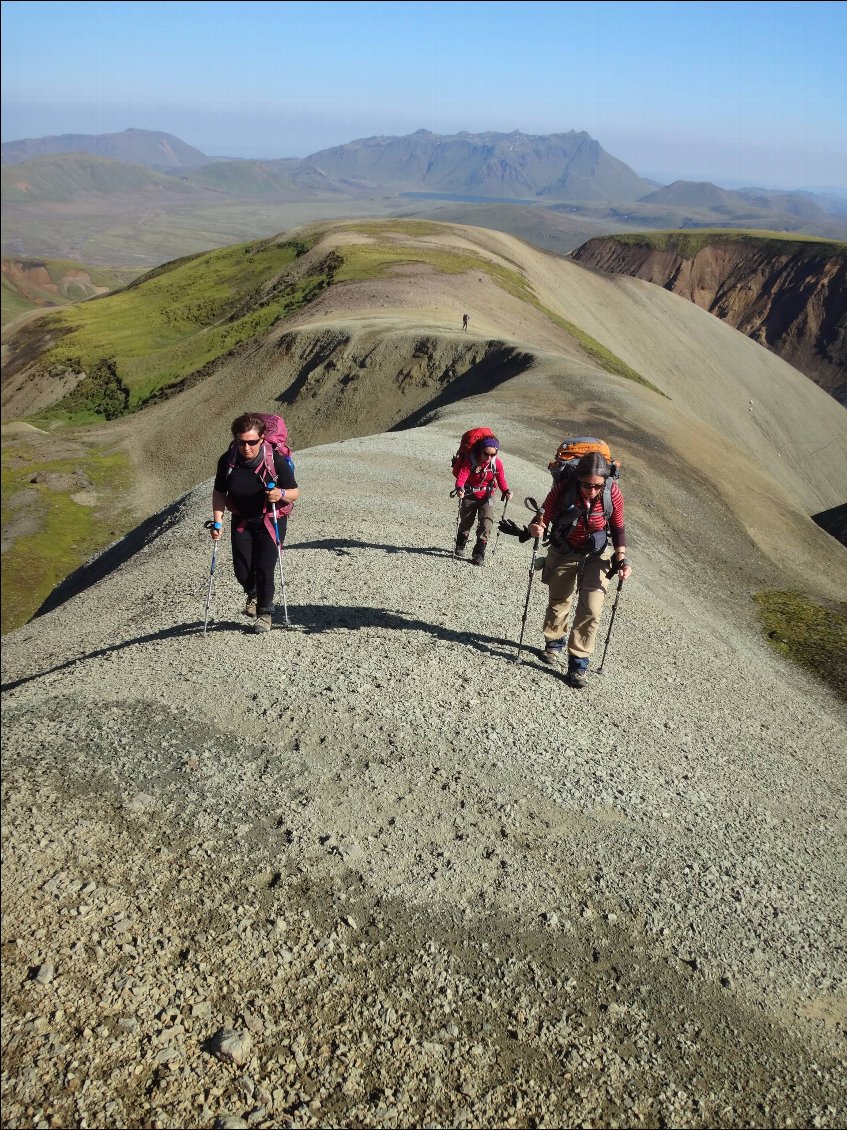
[(243, 473), (585, 515), (479, 473)]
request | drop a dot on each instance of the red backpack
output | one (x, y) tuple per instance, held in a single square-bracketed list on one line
[(469, 440), (274, 439)]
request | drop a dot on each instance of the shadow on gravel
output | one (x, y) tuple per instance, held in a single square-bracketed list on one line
[(179, 630), (306, 618), (312, 618), (343, 547)]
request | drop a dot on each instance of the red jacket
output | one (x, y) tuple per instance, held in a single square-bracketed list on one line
[(481, 479)]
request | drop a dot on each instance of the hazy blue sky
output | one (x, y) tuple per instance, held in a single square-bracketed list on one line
[(737, 93)]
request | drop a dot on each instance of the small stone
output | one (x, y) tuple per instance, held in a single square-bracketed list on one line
[(230, 1122), (45, 974), (141, 802), (231, 1046)]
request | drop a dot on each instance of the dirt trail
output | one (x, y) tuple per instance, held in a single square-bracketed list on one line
[(400, 867), (418, 883)]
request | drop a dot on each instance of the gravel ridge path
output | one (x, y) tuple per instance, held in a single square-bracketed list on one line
[(369, 871)]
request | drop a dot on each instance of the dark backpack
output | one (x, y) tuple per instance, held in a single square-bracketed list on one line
[(568, 512)]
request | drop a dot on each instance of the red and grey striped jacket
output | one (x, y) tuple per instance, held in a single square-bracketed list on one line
[(594, 519)]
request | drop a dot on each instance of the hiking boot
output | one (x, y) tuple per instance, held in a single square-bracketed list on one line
[(478, 558), (251, 605), (263, 622), (577, 676), (461, 545), (552, 653)]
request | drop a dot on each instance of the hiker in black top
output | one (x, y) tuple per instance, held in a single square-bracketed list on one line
[(240, 487)]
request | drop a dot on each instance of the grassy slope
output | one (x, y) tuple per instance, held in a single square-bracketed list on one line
[(187, 314), (66, 176), (13, 302), (177, 319), (808, 633), (18, 300), (69, 532), (687, 243)]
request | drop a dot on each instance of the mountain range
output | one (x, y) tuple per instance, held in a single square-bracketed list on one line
[(137, 146), (518, 167)]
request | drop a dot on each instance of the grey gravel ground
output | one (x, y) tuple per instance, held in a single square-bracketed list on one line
[(368, 871)]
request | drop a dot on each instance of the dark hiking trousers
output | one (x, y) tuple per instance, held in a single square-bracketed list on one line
[(477, 510), (254, 559)]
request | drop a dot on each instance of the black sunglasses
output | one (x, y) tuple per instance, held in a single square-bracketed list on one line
[(591, 486), (248, 442)]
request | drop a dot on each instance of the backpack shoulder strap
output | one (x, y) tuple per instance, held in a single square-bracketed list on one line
[(607, 499)]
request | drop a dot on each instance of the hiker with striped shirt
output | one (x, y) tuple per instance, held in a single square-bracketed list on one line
[(584, 512)]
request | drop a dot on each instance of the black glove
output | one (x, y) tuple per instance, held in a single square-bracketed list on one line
[(507, 526)]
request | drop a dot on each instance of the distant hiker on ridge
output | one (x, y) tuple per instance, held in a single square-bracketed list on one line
[(241, 485), (479, 472), (465, 320), (582, 510)]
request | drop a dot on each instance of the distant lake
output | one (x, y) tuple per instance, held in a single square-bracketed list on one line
[(465, 199)]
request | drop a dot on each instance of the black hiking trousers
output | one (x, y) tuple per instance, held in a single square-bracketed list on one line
[(254, 558)]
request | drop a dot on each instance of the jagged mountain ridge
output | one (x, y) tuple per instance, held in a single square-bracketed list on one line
[(508, 165), (556, 166)]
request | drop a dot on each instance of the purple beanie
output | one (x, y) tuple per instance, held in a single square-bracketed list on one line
[(488, 441)]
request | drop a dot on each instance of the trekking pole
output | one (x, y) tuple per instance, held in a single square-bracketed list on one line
[(208, 526), (497, 536), (454, 494), (611, 622), (530, 504), (271, 486)]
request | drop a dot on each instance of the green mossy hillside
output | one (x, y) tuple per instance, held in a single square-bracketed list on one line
[(687, 243), (809, 633), (55, 518), (170, 323)]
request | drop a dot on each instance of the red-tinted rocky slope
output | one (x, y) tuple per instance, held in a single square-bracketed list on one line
[(789, 295)]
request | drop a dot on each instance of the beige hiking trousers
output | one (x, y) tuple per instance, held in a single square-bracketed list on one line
[(560, 574)]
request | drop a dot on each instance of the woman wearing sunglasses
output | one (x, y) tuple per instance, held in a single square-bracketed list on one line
[(241, 486), (584, 513), (480, 474)]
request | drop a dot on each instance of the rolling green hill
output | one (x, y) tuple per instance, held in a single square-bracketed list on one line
[(33, 284), (153, 148), (244, 178), (174, 323), (68, 176)]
